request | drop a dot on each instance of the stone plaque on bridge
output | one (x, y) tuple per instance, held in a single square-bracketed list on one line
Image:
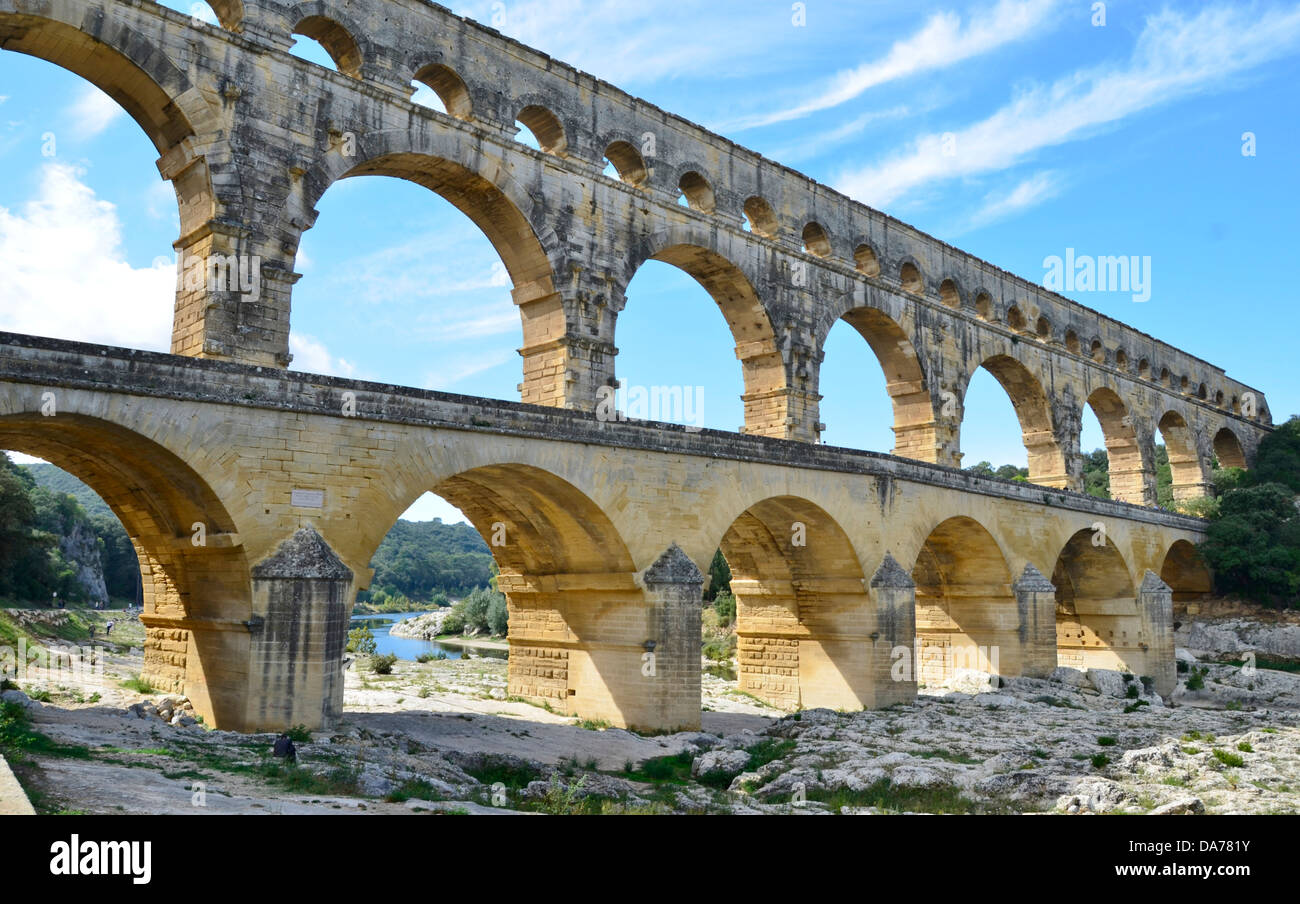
[(307, 499)]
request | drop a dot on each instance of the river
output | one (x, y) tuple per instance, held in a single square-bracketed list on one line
[(410, 648)]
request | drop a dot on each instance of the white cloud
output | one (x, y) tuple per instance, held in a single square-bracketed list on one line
[(1028, 193), (1174, 57), (311, 356), (93, 112), (941, 42), (451, 371), (65, 273)]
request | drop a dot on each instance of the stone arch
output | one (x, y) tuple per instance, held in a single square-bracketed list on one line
[(1144, 369), (628, 163), (1016, 320), (909, 276), (815, 240), (1072, 341), (1034, 411), (698, 191), (229, 13), (1043, 328), (1186, 574), (762, 218), (145, 83), (569, 580), (914, 416), (984, 307), (966, 611), (450, 88), (1097, 351), (866, 260), (337, 38), (1121, 360), (1097, 622), (1228, 450), (1184, 457), (949, 294), (693, 251), (187, 588), (803, 615), (1128, 474), (545, 126)]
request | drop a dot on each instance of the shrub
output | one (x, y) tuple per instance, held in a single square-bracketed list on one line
[(725, 605), (1196, 680), (1245, 747), (1231, 760), (383, 665), (1106, 741), (361, 640), (300, 734), (431, 657), (1100, 761)]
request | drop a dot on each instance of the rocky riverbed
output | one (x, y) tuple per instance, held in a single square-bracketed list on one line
[(444, 736)]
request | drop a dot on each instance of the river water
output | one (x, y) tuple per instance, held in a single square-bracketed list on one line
[(410, 648)]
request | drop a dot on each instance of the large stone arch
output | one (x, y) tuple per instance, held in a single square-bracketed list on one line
[(694, 251), (1047, 465), (1186, 464), (580, 615), (804, 618), (966, 610), (1131, 480), (1096, 606), (915, 427), (1228, 449), (196, 584)]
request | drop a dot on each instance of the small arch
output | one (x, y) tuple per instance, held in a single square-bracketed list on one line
[(628, 163), (866, 261), (965, 609), (1218, 397), (698, 192), (910, 276), (816, 241), (949, 294), (1164, 376), (545, 126), (1097, 351), (1227, 449), (1098, 624), (336, 41), (803, 616), (449, 87), (1015, 319), (1183, 383), (761, 218), (1121, 359), (984, 307), (1201, 392), (1184, 462), (1072, 341), (1186, 574), (1144, 369), (229, 13), (1043, 327)]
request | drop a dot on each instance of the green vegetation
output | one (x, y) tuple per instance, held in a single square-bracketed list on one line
[(300, 734), (417, 788), (1106, 741), (1100, 761), (1253, 540), (383, 664), (1006, 472), (362, 640), (139, 685), (482, 612), (884, 795), (1196, 680), (675, 768), (18, 739), (719, 578), (1245, 747), (1230, 760), (419, 560)]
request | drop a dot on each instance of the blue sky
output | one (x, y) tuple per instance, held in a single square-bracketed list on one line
[(1117, 138)]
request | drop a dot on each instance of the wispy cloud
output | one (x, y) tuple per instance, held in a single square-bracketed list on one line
[(814, 145), (1175, 57), (1028, 193), (942, 42), (452, 371), (92, 112)]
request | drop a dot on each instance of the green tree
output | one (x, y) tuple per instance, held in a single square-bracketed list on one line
[(1254, 545), (1278, 458), (719, 577)]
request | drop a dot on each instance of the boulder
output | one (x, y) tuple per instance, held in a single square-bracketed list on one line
[(1110, 683), (1184, 806), (718, 763), (972, 682), (1069, 676)]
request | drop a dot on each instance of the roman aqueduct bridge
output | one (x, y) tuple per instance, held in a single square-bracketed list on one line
[(296, 478)]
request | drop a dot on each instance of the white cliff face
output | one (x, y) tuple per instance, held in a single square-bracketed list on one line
[(81, 549), (1229, 638)]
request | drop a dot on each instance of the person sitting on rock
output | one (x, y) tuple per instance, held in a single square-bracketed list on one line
[(284, 748)]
